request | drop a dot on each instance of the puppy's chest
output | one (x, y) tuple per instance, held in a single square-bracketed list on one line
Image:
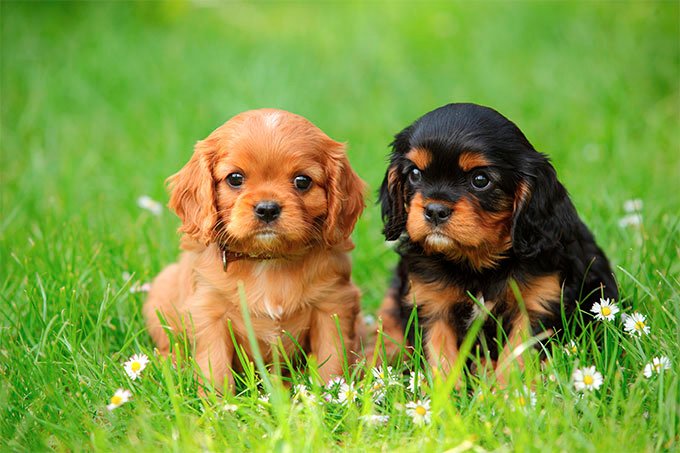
[(435, 300), (273, 295)]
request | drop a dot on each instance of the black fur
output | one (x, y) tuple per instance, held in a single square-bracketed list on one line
[(546, 233)]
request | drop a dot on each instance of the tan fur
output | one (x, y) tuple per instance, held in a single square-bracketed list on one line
[(304, 287), (521, 331), (469, 160), (538, 292), (392, 328), (535, 295), (441, 345), (434, 299), (472, 234), (420, 157)]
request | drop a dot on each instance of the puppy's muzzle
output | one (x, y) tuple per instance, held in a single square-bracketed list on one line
[(267, 211), (436, 213)]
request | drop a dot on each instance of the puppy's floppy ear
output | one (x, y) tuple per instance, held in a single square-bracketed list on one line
[(391, 195), (544, 216), (192, 194), (345, 194)]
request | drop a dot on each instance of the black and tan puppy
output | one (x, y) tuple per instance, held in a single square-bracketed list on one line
[(475, 207)]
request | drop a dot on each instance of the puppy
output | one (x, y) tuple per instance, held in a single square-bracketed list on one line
[(475, 207), (267, 201)]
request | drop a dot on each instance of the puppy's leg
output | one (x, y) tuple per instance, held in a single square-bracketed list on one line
[(392, 327), (521, 331), (326, 342), (163, 298), (441, 346), (214, 347)]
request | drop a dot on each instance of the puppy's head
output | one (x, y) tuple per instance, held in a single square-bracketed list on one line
[(267, 182), (465, 182)]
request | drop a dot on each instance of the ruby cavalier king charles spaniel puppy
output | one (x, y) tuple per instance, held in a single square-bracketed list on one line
[(475, 207), (267, 201)]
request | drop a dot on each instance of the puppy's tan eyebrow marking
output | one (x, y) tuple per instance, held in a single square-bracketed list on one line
[(419, 156), (469, 160)]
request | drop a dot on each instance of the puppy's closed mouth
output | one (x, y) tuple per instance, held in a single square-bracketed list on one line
[(438, 241), (266, 235)]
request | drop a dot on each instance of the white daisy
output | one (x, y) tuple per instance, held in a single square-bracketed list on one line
[(658, 365), (136, 365), (263, 398), (635, 324), (332, 389), (329, 398), (119, 398), (335, 383), (149, 204), (630, 220), (375, 419), (524, 399), (301, 393), (571, 348), (300, 389), (587, 378), (140, 288), (605, 309), (634, 205), (229, 407), (385, 375), (347, 393), (378, 390), (419, 411), (422, 382)]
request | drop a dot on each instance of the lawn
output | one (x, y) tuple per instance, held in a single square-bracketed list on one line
[(100, 102)]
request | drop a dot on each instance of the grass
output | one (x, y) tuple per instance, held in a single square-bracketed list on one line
[(101, 102)]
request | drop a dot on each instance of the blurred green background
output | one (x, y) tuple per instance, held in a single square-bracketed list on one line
[(102, 101)]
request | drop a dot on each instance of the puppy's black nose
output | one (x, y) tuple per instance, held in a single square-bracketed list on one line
[(436, 213), (267, 211)]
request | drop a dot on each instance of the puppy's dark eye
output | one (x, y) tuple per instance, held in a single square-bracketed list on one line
[(415, 176), (480, 180), (302, 182), (235, 179)]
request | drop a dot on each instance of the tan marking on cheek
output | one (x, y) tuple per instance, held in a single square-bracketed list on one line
[(416, 226), (419, 156), (481, 237), (472, 225), (469, 160)]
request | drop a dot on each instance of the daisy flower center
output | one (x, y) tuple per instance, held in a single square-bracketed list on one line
[(521, 401), (136, 366), (420, 410), (588, 379), (116, 400), (639, 325), (606, 311), (657, 367)]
